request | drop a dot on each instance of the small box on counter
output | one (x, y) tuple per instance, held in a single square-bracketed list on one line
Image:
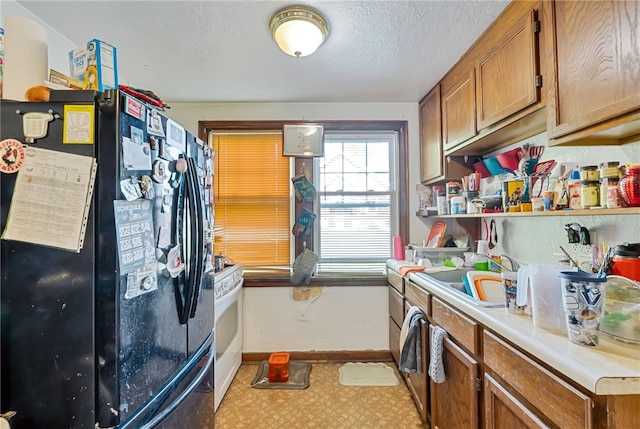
[(96, 65)]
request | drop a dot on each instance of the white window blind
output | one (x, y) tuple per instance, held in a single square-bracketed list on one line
[(356, 201)]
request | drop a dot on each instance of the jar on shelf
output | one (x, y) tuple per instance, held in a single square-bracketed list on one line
[(629, 186), (610, 170), (605, 184), (589, 173), (589, 193)]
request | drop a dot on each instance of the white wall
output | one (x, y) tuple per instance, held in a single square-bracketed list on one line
[(338, 318)]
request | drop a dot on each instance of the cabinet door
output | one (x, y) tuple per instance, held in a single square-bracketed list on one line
[(503, 410), (597, 65), (394, 340), (396, 306), (506, 76), (454, 402), (459, 111), (431, 155), (418, 381)]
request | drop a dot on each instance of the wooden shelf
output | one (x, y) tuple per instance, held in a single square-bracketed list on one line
[(592, 212)]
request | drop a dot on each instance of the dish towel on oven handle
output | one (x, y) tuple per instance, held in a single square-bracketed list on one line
[(436, 368), (411, 341)]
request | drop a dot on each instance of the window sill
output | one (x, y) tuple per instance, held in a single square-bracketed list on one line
[(258, 280)]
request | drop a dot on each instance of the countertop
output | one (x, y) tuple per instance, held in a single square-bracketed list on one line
[(612, 368)]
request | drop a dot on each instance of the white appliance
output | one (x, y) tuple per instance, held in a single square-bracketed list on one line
[(228, 327)]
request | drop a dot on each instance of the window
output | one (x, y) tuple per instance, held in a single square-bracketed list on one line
[(356, 201), (360, 200)]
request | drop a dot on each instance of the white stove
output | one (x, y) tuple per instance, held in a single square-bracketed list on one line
[(228, 326), (226, 279)]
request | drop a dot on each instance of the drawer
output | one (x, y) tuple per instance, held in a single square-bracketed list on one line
[(394, 340), (561, 403), (417, 296), (463, 330), (395, 280), (396, 309)]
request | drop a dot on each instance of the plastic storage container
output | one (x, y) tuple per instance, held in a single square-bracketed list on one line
[(279, 367), (622, 309), (545, 286), (584, 296)]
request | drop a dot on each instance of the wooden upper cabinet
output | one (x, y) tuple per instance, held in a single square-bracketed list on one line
[(431, 156), (458, 109), (506, 77), (594, 88)]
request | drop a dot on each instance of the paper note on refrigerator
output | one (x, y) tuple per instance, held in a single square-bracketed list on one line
[(135, 235), (51, 199)]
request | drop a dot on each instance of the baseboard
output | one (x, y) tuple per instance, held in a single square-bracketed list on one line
[(327, 356)]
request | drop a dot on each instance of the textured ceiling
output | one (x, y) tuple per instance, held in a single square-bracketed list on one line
[(221, 51)]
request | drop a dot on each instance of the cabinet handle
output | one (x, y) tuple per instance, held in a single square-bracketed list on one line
[(539, 81)]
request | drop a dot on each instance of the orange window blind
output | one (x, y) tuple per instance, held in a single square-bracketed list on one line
[(252, 200)]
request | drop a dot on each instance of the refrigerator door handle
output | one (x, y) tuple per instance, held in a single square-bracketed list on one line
[(186, 392), (199, 226), (190, 278)]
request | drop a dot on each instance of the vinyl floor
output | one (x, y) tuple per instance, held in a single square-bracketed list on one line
[(325, 404)]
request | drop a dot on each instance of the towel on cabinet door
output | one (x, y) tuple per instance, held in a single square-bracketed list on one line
[(436, 368), (411, 341)]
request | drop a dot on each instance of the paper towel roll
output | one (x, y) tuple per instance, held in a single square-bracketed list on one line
[(26, 61), (398, 251)]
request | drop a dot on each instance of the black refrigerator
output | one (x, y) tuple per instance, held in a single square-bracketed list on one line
[(119, 331)]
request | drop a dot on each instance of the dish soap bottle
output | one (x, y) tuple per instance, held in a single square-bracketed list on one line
[(479, 259)]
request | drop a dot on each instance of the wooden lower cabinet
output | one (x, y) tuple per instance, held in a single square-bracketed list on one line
[(555, 399), (418, 381), (503, 410), (492, 384), (394, 339), (454, 402)]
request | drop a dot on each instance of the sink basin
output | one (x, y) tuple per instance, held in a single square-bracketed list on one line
[(452, 280), (449, 276)]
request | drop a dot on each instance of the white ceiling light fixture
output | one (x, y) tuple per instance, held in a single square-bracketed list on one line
[(298, 30)]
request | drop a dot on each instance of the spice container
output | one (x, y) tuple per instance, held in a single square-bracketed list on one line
[(573, 191), (458, 205), (610, 170), (605, 184), (613, 197), (589, 173), (589, 193), (537, 204)]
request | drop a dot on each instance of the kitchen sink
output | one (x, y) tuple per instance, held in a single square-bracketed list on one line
[(452, 280), (449, 276)]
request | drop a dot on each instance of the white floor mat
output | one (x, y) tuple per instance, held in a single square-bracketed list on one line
[(367, 374)]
